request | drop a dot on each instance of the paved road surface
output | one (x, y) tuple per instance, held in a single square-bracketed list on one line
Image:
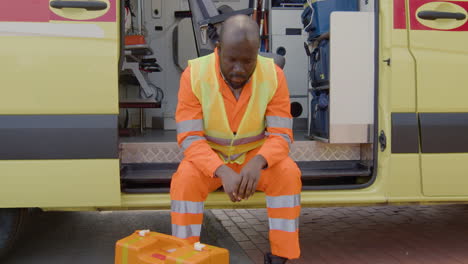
[(435, 234), (89, 237)]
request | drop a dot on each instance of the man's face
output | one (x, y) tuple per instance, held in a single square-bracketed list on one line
[(237, 62)]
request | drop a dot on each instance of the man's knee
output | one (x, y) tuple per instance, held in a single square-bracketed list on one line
[(283, 178), (188, 184)]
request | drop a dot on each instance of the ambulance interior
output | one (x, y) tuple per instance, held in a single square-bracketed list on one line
[(329, 62)]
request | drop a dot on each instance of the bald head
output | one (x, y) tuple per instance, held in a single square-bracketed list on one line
[(238, 49), (240, 29)]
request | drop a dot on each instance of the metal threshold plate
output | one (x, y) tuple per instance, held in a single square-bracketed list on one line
[(169, 152)]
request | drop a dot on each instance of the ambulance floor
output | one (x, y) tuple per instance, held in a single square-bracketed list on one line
[(89, 237)]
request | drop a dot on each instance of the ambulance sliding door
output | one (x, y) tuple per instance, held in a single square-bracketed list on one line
[(439, 43)]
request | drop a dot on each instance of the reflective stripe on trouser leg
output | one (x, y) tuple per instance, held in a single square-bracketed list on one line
[(187, 218), (189, 190), (283, 216)]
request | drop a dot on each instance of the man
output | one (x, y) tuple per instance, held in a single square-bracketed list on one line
[(235, 127)]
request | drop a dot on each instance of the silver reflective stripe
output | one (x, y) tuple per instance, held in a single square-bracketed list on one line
[(219, 141), (285, 136), (284, 201), (232, 157), (277, 121), (247, 140), (186, 231), (240, 141), (284, 224), (186, 207), (189, 140), (190, 125)]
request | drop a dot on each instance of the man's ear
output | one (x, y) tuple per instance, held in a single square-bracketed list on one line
[(218, 45)]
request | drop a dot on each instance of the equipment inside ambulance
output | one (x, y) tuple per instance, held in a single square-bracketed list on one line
[(316, 22), (206, 19), (136, 63)]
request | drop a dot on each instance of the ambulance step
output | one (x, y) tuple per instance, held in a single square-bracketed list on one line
[(324, 169), (156, 177), (148, 172), (147, 177), (169, 152)]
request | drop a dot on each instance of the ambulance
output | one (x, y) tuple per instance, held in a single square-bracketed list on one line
[(89, 91)]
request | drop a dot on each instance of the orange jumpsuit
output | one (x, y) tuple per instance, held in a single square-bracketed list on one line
[(195, 178)]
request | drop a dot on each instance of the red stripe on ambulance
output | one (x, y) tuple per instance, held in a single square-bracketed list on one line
[(399, 14), (24, 11)]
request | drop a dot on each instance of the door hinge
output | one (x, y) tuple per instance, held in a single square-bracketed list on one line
[(382, 141)]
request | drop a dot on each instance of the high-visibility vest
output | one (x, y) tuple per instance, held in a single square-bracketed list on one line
[(251, 132)]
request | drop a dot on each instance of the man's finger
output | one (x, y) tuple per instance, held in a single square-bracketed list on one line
[(236, 197), (235, 190), (230, 194), (251, 188), (235, 194), (247, 189), (242, 187)]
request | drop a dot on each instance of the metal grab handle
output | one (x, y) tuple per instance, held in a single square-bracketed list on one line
[(175, 48), (88, 5), (433, 15)]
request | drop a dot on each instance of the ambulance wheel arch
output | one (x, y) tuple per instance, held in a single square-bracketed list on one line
[(11, 221)]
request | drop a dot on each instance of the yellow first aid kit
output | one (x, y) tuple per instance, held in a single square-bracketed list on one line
[(145, 247)]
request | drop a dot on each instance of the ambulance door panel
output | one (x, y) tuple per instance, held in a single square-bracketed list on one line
[(58, 60), (59, 103), (438, 42)]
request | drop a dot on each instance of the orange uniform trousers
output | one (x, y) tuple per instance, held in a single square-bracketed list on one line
[(281, 184)]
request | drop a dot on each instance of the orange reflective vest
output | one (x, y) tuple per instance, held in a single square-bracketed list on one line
[(251, 132)]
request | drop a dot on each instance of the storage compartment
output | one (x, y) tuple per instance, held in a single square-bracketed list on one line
[(316, 17), (320, 114), (319, 73), (287, 39), (349, 80)]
